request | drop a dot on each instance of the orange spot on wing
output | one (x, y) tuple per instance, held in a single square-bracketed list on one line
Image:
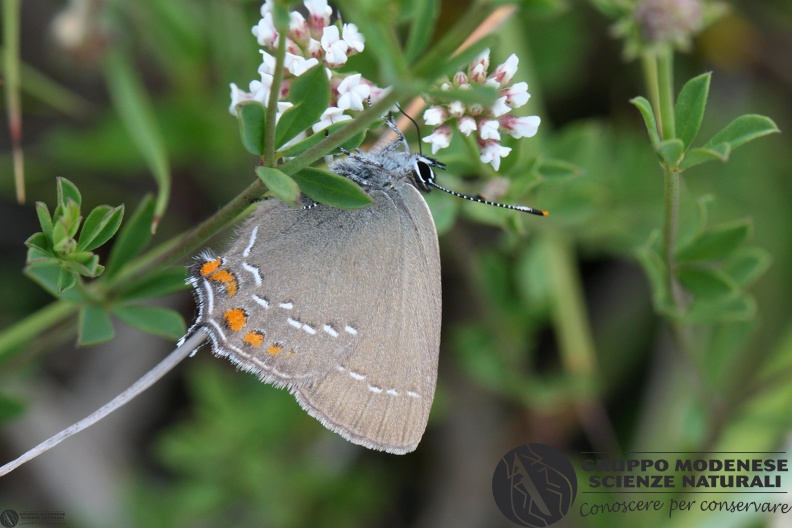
[(235, 319), (227, 278), (274, 350), (254, 338), (211, 266)]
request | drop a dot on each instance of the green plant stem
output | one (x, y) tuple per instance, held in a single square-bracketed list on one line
[(660, 79), (665, 83), (649, 64), (272, 103), (11, 17), (427, 67), (575, 339), (15, 336), (670, 216)]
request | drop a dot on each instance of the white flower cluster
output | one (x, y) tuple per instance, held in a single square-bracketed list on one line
[(309, 43), (486, 122)]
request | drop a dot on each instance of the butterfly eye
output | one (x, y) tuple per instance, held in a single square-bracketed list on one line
[(424, 175)]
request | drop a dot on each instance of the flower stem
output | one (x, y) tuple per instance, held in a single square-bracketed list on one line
[(649, 64), (272, 102), (575, 339), (670, 219), (665, 74), (32, 326)]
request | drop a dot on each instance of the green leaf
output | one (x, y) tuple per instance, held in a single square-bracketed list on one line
[(47, 277), (45, 220), (707, 311), (424, 17), (91, 225), (298, 148), (252, 117), (645, 107), (62, 243), (156, 284), (66, 280), (331, 189), (94, 326), (696, 223), (699, 155), (36, 257), (85, 263), (671, 151), (717, 243), (133, 106), (162, 322), (133, 237), (747, 265), (707, 283), (279, 183), (40, 242), (689, 110), (100, 226), (657, 273), (310, 93), (743, 129), (67, 191)]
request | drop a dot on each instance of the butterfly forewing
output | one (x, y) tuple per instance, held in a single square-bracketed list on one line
[(342, 307)]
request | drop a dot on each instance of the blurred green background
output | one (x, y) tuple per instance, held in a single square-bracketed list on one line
[(209, 446)]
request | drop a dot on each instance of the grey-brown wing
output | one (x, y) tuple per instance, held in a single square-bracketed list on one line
[(381, 394), (342, 307)]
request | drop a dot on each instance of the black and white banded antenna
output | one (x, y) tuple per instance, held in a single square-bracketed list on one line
[(425, 178)]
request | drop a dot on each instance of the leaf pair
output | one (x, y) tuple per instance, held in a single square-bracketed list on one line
[(95, 323), (714, 267), (57, 257), (676, 153), (310, 96), (58, 246)]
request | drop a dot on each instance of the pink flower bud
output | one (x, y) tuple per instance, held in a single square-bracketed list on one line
[(440, 138), (435, 115), (265, 32), (460, 78), (298, 28), (520, 127), (504, 73), (516, 95), (318, 15), (492, 152), (456, 109), (467, 125), (488, 129), (477, 71)]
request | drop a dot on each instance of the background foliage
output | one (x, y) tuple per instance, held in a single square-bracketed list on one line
[(554, 328)]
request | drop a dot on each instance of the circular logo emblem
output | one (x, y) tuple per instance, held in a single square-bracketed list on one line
[(534, 485), (9, 518)]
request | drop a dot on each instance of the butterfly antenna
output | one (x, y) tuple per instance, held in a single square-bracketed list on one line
[(480, 199), (417, 128)]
